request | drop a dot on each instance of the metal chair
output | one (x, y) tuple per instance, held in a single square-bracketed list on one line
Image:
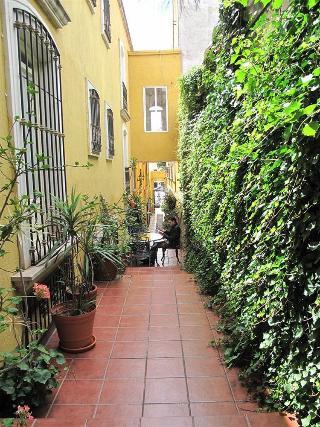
[(140, 251), (136, 229)]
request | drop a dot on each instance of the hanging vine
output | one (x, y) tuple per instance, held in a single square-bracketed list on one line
[(250, 174)]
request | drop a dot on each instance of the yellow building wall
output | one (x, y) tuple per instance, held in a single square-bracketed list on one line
[(173, 177), (162, 68), (84, 55), (10, 262), (158, 175), (142, 184)]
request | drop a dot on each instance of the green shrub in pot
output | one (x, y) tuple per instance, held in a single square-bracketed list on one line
[(76, 220)]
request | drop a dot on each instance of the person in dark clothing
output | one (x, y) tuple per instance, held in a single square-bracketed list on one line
[(171, 240)]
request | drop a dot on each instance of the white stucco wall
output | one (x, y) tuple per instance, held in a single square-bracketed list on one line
[(195, 31)]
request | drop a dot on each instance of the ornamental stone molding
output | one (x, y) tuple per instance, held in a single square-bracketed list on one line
[(55, 12)]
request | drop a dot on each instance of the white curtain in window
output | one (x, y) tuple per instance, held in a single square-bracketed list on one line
[(156, 109)]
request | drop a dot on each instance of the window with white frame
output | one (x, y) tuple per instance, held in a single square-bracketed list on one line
[(37, 60), (94, 120), (155, 109), (109, 132), (106, 22)]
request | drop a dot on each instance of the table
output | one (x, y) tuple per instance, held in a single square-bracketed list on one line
[(150, 237)]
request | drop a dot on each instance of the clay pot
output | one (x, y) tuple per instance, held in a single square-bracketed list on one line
[(89, 296), (105, 271), (75, 331)]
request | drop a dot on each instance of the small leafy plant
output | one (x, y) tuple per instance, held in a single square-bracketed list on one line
[(28, 375)]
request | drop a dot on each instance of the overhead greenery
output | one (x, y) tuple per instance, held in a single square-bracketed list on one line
[(250, 174)]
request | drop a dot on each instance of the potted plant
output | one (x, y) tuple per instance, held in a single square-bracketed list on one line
[(135, 213), (77, 222), (28, 373), (114, 238)]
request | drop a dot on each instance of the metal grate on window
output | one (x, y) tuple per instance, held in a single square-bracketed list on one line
[(41, 127), (106, 19), (124, 97), (95, 122), (127, 179), (110, 141)]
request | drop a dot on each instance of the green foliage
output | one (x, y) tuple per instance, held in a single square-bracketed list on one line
[(114, 230), (27, 376), (9, 308), (78, 218), (170, 208), (250, 173), (135, 212)]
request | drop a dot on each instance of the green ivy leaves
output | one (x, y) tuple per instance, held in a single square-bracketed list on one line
[(310, 129), (276, 4), (250, 174), (312, 3)]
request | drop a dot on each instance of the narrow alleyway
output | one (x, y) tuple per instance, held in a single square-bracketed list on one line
[(152, 365)]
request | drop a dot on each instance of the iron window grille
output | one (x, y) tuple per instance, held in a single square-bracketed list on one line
[(124, 97), (110, 134), (127, 179), (106, 19), (38, 311), (95, 131), (41, 131)]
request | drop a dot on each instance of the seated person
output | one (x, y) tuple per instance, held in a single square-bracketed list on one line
[(171, 240)]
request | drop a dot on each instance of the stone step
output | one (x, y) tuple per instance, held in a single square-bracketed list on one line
[(248, 420), (215, 421)]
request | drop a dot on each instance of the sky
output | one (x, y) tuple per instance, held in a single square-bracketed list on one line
[(150, 24)]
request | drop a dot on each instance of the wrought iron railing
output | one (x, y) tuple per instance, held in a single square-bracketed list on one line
[(127, 179), (38, 311), (95, 122), (41, 131), (124, 97), (106, 19), (110, 133)]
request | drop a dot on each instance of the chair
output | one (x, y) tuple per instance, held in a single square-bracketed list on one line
[(137, 229), (140, 251), (176, 249)]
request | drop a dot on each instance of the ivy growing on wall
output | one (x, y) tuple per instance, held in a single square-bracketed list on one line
[(250, 174)]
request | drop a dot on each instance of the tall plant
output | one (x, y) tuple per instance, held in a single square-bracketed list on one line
[(81, 240), (114, 232), (27, 374), (249, 149)]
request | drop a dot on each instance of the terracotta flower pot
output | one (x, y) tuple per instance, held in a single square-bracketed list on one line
[(105, 271), (75, 331), (89, 296)]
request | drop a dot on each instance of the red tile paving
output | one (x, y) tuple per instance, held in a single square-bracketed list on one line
[(153, 365)]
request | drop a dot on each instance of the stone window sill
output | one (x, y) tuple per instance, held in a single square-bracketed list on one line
[(24, 280)]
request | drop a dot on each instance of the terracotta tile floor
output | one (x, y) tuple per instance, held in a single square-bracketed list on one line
[(152, 365)]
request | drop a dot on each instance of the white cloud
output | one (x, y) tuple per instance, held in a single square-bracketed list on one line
[(150, 24)]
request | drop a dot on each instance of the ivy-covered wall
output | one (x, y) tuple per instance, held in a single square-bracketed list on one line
[(250, 174)]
